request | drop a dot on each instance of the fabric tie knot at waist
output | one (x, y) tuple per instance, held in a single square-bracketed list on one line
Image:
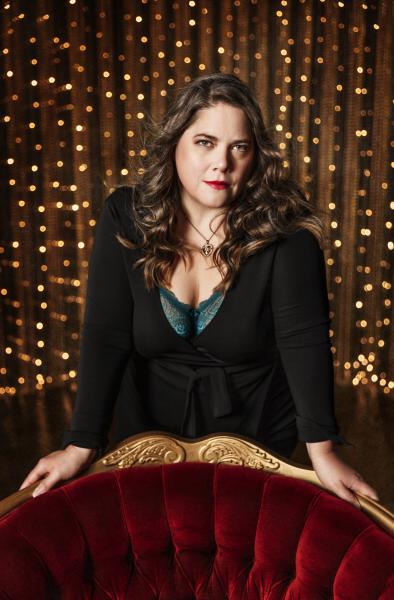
[(218, 377), (219, 395)]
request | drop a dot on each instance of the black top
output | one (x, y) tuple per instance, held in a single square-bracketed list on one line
[(262, 366)]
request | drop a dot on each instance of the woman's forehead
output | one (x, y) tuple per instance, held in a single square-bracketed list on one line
[(220, 121)]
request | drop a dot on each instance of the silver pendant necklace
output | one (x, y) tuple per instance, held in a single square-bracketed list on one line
[(207, 248)]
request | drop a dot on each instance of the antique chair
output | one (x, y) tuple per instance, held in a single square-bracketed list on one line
[(215, 518)]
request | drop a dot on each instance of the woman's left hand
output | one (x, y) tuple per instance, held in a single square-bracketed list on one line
[(340, 478)]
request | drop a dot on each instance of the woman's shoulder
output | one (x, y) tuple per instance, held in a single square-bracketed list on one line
[(299, 249), (119, 204), (120, 199), (298, 240)]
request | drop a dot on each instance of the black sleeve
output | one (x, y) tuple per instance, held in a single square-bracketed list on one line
[(106, 336), (301, 319)]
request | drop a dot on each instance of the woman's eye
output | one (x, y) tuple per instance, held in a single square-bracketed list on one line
[(243, 147)]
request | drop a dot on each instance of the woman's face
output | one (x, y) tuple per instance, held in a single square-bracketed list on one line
[(218, 146)]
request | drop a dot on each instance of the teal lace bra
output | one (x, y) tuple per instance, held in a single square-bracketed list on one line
[(186, 320)]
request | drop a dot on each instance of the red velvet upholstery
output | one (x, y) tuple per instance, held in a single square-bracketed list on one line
[(193, 530)]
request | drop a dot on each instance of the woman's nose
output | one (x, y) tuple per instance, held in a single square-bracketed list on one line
[(222, 160)]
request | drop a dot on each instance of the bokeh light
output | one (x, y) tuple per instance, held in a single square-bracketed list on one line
[(78, 77)]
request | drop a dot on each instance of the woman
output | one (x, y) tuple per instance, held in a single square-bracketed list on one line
[(207, 306)]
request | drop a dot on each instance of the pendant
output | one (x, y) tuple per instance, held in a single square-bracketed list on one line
[(207, 249)]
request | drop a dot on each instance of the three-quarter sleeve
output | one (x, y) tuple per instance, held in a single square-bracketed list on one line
[(106, 335), (301, 319)]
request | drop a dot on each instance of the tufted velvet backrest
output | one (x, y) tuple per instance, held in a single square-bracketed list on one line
[(193, 530)]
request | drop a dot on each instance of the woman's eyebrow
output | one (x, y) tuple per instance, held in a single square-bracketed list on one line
[(212, 137)]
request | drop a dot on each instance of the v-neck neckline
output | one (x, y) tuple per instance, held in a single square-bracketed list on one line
[(197, 337), (203, 303)]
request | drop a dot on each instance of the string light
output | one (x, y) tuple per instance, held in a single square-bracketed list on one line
[(79, 77)]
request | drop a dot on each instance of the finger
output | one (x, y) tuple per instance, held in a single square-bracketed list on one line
[(27, 482), (34, 475), (346, 494), (47, 483), (366, 489)]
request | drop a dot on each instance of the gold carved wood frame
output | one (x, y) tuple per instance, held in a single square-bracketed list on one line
[(158, 447)]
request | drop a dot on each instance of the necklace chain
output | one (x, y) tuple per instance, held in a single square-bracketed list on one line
[(207, 248)]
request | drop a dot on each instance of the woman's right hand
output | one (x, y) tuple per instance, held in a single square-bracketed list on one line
[(58, 466)]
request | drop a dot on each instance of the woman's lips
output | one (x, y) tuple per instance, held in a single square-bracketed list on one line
[(218, 186)]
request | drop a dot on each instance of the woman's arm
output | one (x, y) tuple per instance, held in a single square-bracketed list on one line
[(301, 319), (105, 347), (107, 340), (336, 475)]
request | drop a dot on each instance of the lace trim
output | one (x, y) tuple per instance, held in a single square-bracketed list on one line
[(186, 320)]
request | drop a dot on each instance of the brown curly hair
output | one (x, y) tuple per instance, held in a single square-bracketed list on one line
[(270, 206)]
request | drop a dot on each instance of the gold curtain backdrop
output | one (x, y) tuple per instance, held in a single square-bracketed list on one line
[(78, 77)]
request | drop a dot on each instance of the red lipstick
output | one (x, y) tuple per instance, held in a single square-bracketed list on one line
[(218, 185)]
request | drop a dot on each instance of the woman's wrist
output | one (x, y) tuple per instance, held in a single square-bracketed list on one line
[(82, 451), (320, 449)]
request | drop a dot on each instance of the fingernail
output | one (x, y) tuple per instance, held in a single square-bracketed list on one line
[(37, 491)]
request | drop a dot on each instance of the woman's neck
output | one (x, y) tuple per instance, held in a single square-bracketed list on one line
[(193, 227)]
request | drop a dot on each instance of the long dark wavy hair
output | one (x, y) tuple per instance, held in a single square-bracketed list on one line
[(270, 206)]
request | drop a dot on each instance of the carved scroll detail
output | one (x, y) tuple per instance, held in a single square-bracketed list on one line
[(153, 450), (237, 452)]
